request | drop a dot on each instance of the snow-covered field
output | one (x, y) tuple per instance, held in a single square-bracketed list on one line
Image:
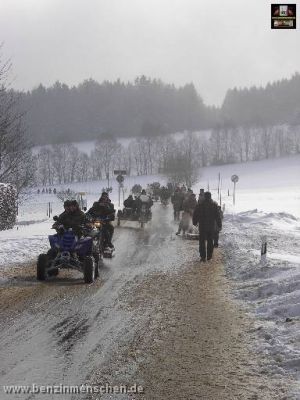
[(267, 204)]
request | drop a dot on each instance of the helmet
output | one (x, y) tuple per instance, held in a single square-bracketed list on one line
[(74, 203), (207, 195), (104, 197)]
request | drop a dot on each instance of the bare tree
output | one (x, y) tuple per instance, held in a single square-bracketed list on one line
[(182, 166), (165, 146), (215, 146), (16, 160), (73, 161), (60, 152), (82, 171), (106, 149), (45, 171)]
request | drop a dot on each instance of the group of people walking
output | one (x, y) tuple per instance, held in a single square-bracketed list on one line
[(202, 212)]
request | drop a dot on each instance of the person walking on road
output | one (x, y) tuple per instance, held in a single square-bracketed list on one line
[(177, 200), (207, 216), (201, 196), (217, 229)]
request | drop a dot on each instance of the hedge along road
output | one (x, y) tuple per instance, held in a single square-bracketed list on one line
[(155, 317)]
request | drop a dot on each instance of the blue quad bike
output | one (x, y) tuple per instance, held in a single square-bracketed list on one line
[(69, 252)]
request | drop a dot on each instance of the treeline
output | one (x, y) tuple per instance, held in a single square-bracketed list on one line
[(277, 103), (180, 160), (149, 107), (62, 114)]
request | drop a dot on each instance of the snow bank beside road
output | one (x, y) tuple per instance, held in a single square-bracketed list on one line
[(24, 243), (272, 289)]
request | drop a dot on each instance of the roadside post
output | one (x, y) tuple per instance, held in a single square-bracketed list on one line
[(263, 251), (120, 179), (49, 209), (107, 177), (234, 179)]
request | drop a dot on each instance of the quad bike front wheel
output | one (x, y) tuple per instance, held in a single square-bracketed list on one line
[(41, 270), (88, 269), (51, 254)]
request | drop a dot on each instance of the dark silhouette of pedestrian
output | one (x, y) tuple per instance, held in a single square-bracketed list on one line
[(207, 217)]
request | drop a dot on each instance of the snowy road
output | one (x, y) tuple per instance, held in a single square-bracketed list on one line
[(60, 331), (65, 332)]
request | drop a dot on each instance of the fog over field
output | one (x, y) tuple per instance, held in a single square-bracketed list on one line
[(216, 46)]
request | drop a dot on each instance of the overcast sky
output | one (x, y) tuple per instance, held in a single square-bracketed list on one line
[(216, 45)]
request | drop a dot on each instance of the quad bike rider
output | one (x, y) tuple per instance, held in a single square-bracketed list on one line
[(104, 210), (144, 199), (129, 202), (70, 249), (130, 206), (71, 218), (144, 204)]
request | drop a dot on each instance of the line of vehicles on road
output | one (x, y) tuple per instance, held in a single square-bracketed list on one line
[(82, 240)]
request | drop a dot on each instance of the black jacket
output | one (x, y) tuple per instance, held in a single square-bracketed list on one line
[(74, 220), (102, 209), (207, 215), (177, 200), (129, 202)]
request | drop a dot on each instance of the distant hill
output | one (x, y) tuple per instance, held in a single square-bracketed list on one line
[(145, 107), (277, 103), (149, 107)]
